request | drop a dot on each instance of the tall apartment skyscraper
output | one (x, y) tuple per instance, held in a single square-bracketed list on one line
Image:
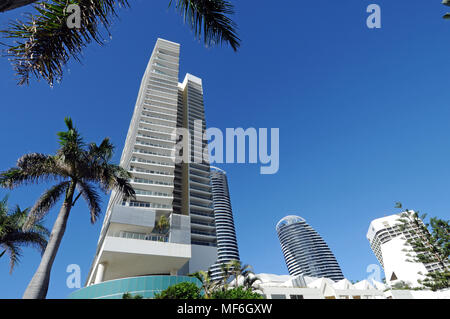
[(133, 241), (388, 242), (227, 247), (304, 250)]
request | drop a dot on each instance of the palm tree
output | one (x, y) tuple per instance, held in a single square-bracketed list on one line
[(208, 285), (76, 166), (163, 224), (12, 237), (238, 270), (249, 282), (44, 43)]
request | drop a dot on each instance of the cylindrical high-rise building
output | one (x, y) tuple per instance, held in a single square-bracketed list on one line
[(304, 250), (227, 248)]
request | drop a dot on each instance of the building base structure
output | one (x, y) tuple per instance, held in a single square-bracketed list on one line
[(145, 286), (305, 287)]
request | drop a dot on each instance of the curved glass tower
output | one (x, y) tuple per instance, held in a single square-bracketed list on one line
[(304, 250), (227, 248)]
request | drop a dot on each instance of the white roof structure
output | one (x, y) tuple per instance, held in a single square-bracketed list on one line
[(303, 287), (343, 284), (291, 287), (365, 284)]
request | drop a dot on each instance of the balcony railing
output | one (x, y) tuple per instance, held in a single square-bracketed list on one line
[(141, 236)]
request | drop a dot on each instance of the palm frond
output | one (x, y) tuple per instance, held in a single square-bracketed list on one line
[(71, 143), (110, 176), (44, 43), (209, 19), (4, 202), (28, 238), (18, 216), (92, 198), (199, 275), (32, 168), (101, 153), (12, 235), (14, 252), (14, 240), (43, 205)]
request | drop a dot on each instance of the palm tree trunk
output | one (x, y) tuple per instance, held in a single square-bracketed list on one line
[(38, 286), (6, 5)]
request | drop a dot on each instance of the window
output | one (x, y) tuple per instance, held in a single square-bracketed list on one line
[(278, 296), (297, 297)]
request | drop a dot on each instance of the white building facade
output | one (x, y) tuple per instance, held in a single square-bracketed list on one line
[(132, 243), (305, 287), (389, 243)]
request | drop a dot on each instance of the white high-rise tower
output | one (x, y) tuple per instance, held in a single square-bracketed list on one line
[(169, 229), (389, 244)]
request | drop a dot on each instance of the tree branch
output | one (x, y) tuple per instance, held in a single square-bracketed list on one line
[(75, 200)]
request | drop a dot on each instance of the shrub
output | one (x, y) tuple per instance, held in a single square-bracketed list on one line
[(236, 293), (184, 290), (127, 295)]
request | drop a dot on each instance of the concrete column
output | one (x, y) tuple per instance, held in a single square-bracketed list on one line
[(101, 268)]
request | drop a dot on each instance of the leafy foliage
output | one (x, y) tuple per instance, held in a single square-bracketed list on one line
[(446, 3), (401, 285), (209, 17), (183, 290), (240, 277), (127, 295), (163, 224), (238, 270), (188, 290), (13, 237), (208, 285), (428, 243), (43, 43), (236, 293)]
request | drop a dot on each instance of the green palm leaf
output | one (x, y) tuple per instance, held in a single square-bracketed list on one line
[(209, 19), (13, 236), (43, 43)]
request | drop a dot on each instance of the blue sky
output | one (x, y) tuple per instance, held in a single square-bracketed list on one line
[(363, 117)]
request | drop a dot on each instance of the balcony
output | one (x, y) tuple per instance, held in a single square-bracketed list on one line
[(141, 236), (127, 257)]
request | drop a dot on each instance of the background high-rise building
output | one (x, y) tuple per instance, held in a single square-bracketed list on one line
[(389, 243), (134, 241), (227, 247), (304, 250)]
